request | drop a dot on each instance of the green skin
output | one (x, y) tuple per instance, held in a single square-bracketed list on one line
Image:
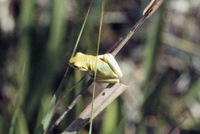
[(108, 70)]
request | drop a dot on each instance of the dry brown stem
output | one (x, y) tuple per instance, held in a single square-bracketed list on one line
[(101, 102)]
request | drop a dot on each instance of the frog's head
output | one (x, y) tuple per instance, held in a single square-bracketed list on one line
[(78, 62)]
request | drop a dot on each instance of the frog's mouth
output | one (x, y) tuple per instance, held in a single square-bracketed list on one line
[(82, 68)]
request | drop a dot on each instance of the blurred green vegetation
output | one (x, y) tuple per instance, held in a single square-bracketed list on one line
[(163, 69)]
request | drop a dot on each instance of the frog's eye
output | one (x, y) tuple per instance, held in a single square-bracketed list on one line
[(76, 67)]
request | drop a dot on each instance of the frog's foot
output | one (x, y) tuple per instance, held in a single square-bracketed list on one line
[(107, 80)]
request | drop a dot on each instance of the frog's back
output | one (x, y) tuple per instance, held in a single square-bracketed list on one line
[(103, 69)]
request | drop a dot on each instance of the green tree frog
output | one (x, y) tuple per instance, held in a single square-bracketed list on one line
[(108, 71)]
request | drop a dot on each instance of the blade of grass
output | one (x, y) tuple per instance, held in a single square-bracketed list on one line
[(110, 118), (19, 101), (97, 53), (56, 29), (82, 28), (186, 46), (25, 23), (56, 33), (153, 45), (21, 126)]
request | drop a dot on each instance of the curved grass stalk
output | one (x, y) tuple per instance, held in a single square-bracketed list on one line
[(80, 33), (82, 28), (25, 23), (19, 100), (95, 73)]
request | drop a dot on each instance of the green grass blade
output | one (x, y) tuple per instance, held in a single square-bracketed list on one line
[(82, 28), (97, 53)]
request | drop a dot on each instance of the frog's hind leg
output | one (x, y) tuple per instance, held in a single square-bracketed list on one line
[(108, 58)]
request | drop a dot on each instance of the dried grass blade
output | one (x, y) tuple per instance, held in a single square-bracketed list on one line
[(101, 102)]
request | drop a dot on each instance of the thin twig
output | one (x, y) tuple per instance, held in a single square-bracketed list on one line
[(148, 11), (128, 36)]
